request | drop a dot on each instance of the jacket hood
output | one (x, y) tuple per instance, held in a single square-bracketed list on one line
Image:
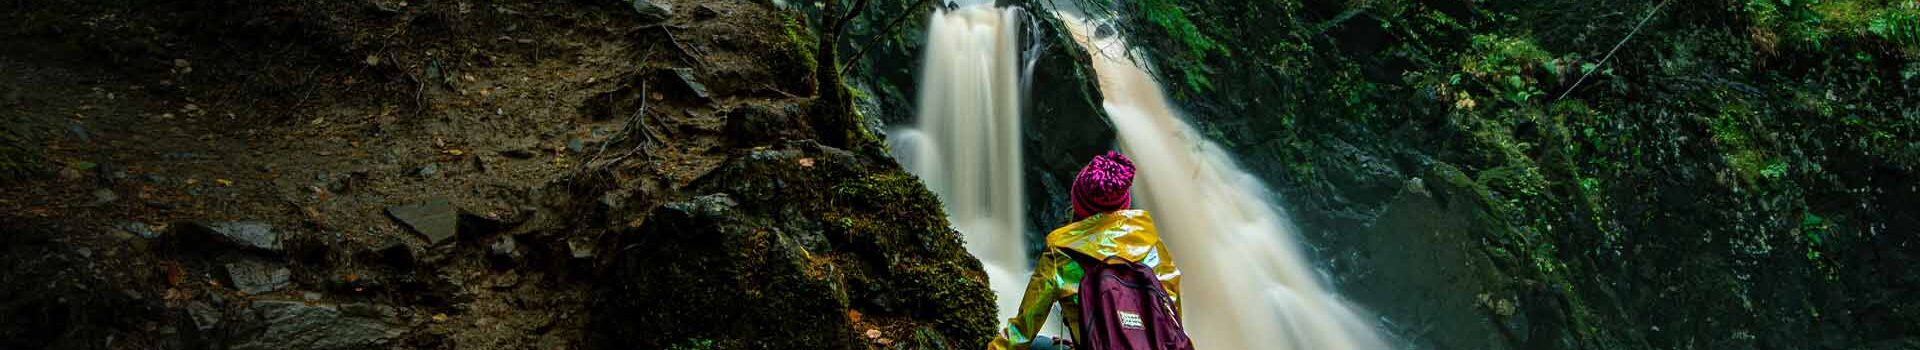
[(1128, 234)]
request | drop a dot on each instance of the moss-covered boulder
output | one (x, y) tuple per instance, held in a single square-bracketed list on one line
[(795, 247)]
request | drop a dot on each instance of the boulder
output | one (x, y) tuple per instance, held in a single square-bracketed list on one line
[(779, 246), (752, 124), (294, 325), (653, 11)]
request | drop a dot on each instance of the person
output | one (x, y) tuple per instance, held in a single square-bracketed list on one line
[(1104, 228)]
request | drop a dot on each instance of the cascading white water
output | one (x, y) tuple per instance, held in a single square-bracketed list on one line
[(1246, 284), (965, 144)]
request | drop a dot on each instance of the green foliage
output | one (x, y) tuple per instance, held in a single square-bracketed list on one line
[(1171, 18), (1504, 67), (1813, 24), (1898, 26), (1814, 230), (693, 344)]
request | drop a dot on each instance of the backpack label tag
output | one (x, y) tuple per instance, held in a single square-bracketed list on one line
[(1130, 320)]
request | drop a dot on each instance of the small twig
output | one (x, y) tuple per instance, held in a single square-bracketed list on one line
[(1616, 48), (770, 87)]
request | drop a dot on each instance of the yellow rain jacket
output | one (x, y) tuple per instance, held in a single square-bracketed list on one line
[(1127, 234)]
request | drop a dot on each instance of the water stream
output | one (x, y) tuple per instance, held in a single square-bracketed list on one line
[(1247, 284), (965, 144)]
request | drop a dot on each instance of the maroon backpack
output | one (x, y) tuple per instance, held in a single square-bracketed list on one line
[(1124, 307)]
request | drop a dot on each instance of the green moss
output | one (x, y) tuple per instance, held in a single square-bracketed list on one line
[(801, 43), (1733, 130)]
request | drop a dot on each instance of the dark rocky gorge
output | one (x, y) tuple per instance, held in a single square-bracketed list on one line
[(671, 174)]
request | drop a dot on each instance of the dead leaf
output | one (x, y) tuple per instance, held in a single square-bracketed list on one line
[(806, 162), (455, 151), (439, 317), (853, 315), (873, 333), (175, 274), (224, 182)]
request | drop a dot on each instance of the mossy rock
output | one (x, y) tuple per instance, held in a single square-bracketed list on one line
[(797, 246)]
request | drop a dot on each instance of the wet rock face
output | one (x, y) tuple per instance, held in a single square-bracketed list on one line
[(788, 248), (1064, 123)]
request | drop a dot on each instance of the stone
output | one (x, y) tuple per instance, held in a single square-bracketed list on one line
[(243, 234), (138, 228), (288, 325), (80, 133), (705, 12), (69, 174), (691, 82), (712, 206), (256, 278), (580, 249), (436, 219), (653, 11), (205, 318), (428, 171), (103, 196), (504, 250)]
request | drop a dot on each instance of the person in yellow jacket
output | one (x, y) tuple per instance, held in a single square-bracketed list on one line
[(1103, 228)]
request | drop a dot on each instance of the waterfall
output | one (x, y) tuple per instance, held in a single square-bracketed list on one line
[(1246, 282), (1246, 286), (965, 143)]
